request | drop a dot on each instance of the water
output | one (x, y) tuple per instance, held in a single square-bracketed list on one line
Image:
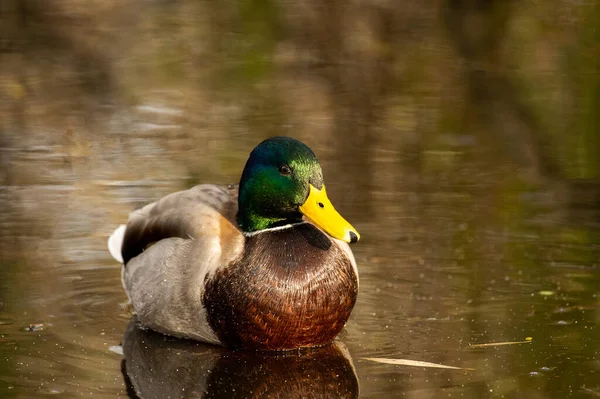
[(472, 232)]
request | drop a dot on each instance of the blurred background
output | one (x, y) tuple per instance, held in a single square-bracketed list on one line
[(460, 137)]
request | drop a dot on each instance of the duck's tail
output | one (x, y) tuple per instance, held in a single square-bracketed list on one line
[(115, 243)]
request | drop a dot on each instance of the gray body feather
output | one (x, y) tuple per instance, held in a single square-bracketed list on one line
[(184, 237)]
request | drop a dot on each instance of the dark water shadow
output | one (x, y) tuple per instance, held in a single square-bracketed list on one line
[(157, 366)]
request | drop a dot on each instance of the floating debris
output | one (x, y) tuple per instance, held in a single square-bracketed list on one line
[(412, 363), (34, 327), (118, 349), (593, 392), (563, 323), (528, 340)]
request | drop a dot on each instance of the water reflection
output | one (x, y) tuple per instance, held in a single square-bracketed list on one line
[(157, 366)]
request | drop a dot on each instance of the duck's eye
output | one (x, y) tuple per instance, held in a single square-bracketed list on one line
[(285, 170)]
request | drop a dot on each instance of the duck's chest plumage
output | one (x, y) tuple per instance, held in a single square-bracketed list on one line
[(292, 287)]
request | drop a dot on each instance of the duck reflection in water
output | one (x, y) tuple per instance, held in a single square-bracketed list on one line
[(158, 366)]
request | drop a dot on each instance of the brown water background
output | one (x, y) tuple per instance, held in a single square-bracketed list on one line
[(460, 137)]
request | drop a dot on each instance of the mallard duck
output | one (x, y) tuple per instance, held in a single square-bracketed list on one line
[(262, 265)]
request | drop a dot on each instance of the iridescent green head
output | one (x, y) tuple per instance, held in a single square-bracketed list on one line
[(281, 182)]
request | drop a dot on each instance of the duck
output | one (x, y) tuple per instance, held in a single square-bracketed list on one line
[(262, 265)]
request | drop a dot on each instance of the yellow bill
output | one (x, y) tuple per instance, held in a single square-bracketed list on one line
[(321, 212)]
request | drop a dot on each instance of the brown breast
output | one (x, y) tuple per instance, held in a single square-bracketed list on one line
[(292, 288)]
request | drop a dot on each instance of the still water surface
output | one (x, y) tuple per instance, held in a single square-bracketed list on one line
[(463, 241), (438, 274)]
